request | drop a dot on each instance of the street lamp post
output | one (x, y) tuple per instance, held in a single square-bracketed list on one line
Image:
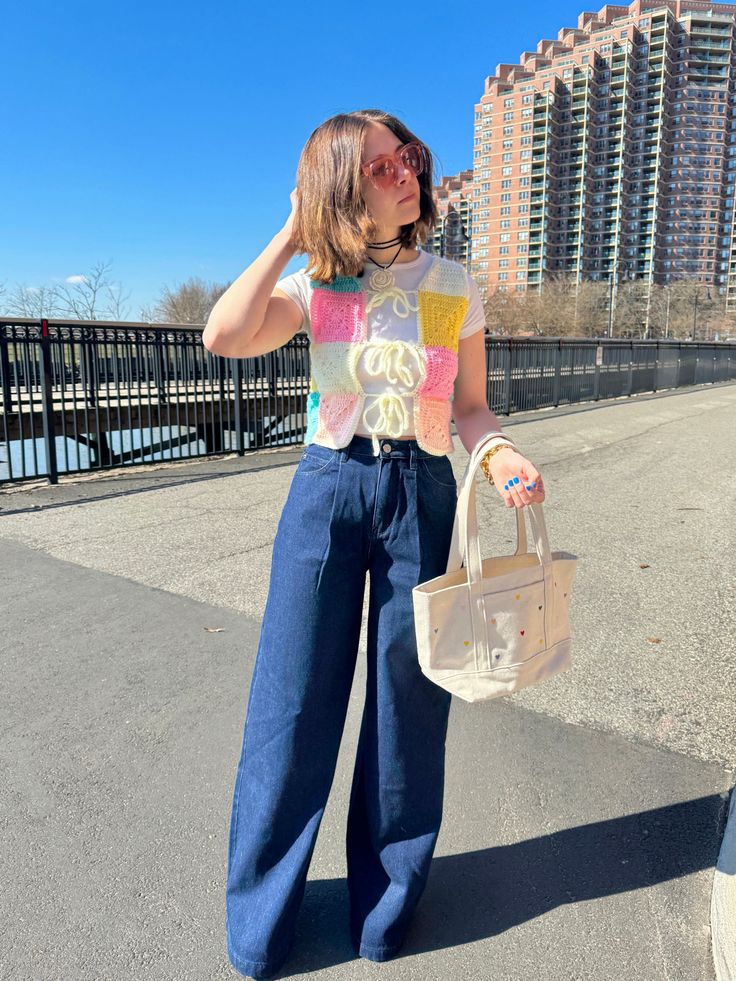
[(695, 315)]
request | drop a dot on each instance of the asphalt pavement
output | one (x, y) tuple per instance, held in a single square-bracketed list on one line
[(583, 817)]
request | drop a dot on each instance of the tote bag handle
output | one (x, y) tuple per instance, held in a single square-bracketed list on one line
[(465, 547)]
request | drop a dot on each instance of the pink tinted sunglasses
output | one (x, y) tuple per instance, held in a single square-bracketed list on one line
[(382, 170)]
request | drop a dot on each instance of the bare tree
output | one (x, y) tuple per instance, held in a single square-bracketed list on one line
[(189, 303), (89, 297), (34, 302), (692, 305), (564, 308), (592, 308)]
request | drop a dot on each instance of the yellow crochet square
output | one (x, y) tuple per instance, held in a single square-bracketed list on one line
[(441, 318)]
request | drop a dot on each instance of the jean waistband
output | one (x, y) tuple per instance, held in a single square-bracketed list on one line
[(388, 448)]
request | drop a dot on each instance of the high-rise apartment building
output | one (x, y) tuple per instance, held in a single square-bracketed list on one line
[(451, 236), (611, 152)]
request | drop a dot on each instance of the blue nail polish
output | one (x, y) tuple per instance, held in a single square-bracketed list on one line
[(516, 480)]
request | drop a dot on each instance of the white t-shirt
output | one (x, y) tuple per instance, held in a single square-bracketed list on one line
[(391, 316)]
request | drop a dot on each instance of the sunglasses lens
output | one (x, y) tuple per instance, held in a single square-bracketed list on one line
[(412, 157), (383, 171)]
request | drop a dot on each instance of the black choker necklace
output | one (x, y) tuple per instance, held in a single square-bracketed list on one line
[(384, 245), (390, 263)]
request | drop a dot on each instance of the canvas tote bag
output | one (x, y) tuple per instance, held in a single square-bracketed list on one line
[(489, 627)]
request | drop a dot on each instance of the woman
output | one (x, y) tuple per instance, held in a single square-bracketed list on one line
[(397, 347)]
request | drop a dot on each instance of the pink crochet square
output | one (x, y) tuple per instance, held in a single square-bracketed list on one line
[(337, 315), (441, 372), (338, 416), (432, 424)]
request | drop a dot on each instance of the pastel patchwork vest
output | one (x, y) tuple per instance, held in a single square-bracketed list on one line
[(339, 335)]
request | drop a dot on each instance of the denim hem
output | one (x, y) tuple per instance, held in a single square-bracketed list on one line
[(254, 968), (376, 953), (382, 953)]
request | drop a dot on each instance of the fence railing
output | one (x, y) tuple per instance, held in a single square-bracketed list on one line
[(84, 396)]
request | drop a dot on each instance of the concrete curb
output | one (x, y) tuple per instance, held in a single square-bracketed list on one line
[(723, 901)]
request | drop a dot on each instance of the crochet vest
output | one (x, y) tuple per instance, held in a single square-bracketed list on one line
[(339, 335)]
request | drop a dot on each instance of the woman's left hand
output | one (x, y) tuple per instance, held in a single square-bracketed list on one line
[(517, 479)]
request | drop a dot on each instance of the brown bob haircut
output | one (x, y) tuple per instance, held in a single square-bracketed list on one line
[(331, 221)]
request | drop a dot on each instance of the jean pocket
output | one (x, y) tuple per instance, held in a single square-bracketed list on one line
[(439, 470), (315, 459)]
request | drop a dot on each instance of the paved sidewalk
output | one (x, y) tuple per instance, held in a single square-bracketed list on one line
[(583, 818)]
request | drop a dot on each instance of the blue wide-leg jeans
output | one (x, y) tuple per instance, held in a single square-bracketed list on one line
[(347, 513)]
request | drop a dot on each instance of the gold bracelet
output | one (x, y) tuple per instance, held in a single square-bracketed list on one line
[(487, 456)]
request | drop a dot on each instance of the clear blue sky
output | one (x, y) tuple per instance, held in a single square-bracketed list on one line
[(164, 137)]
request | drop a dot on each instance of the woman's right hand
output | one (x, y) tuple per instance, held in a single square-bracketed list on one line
[(289, 224)]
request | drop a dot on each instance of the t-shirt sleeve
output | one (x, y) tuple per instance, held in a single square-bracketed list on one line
[(475, 318), (296, 287)]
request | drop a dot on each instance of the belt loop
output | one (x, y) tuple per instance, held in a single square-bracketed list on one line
[(412, 455)]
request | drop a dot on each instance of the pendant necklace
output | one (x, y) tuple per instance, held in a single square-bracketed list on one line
[(381, 278)]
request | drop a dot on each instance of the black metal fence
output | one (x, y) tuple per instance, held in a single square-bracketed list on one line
[(84, 396)]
